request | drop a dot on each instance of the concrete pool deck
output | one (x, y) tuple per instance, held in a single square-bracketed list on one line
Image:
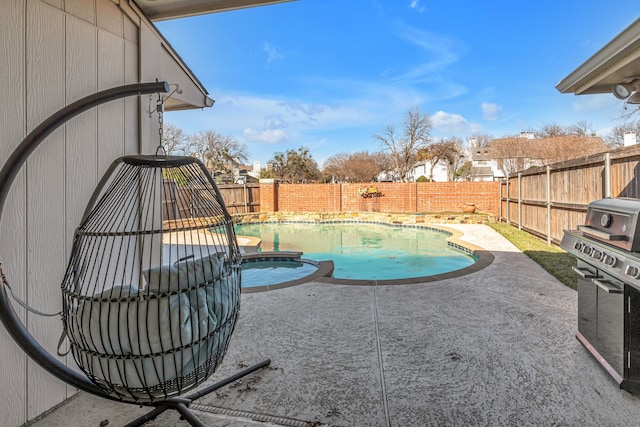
[(495, 347)]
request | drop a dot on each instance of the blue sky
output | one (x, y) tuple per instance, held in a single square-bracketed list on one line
[(328, 74)]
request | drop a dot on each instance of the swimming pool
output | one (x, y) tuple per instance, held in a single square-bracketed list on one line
[(365, 251)]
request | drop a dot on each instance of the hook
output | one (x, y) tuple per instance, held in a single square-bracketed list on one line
[(160, 103)]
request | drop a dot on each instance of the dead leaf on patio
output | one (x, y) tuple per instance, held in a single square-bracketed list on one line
[(454, 356), (333, 412)]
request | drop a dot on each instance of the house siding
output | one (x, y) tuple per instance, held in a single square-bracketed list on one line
[(53, 53), (13, 225)]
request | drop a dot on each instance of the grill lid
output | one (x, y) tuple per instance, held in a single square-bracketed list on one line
[(614, 220)]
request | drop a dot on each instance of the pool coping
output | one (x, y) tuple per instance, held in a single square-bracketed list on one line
[(324, 274)]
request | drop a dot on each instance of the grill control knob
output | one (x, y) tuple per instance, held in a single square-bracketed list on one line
[(596, 254), (632, 271), (610, 260), (578, 246), (587, 249)]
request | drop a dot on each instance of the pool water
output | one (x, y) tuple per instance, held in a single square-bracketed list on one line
[(271, 272), (364, 251)]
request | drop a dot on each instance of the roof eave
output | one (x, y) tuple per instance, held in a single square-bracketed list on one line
[(615, 62), (182, 9)]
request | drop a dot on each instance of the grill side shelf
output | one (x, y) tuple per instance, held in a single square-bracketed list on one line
[(590, 231)]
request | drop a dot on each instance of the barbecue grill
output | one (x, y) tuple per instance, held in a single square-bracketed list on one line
[(607, 248)]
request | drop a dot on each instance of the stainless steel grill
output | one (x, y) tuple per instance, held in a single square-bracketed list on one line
[(607, 248)]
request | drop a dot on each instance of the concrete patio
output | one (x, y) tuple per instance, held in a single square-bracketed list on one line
[(492, 348)]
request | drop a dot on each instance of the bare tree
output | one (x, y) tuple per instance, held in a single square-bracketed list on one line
[(197, 147), (615, 138), (174, 138), (220, 153), (365, 167), (415, 134), (431, 154), (453, 154), (516, 154), (581, 128), (567, 147), (357, 167), (550, 129), (480, 140), (448, 150), (335, 169)]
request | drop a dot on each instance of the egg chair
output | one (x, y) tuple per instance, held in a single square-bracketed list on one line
[(151, 292)]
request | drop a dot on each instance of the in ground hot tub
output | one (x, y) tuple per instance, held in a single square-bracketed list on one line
[(264, 271)]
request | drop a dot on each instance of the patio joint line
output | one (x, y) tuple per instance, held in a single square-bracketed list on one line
[(385, 404)]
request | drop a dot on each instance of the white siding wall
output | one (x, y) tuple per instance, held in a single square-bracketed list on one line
[(12, 228), (54, 52)]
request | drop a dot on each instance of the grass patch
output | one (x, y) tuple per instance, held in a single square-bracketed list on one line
[(552, 258)]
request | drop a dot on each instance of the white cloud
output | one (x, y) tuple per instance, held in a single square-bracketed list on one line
[(415, 4), (453, 124), (269, 119), (491, 111), (270, 136), (272, 132), (272, 52)]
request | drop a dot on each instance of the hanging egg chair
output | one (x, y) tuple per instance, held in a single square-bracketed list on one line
[(151, 292)]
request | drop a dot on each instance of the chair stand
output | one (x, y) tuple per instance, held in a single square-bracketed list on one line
[(181, 404)]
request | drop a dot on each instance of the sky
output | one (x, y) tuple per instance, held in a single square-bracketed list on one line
[(329, 74)]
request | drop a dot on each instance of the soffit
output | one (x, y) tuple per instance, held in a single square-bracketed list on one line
[(157, 10), (616, 62)]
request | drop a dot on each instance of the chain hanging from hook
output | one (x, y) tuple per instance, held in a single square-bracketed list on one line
[(160, 111)]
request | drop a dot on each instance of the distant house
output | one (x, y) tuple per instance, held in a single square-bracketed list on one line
[(423, 168), (514, 154), (483, 167)]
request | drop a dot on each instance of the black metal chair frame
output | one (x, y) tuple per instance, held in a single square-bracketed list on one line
[(9, 317)]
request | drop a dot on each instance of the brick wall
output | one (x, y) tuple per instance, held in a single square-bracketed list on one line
[(308, 197), (450, 196), (408, 197)]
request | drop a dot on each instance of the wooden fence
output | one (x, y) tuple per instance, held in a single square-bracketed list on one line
[(183, 203), (547, 200), (241, 198)]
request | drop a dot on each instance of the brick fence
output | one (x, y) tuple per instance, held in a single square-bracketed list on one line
[(407, 197)]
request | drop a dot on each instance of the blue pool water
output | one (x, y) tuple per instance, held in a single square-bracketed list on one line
[(364, 251), (271, 272)]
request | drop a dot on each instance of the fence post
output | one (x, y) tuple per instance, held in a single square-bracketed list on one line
[(500, 202), (508, 203), (607, 174), (548, 205), (519, 201)]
